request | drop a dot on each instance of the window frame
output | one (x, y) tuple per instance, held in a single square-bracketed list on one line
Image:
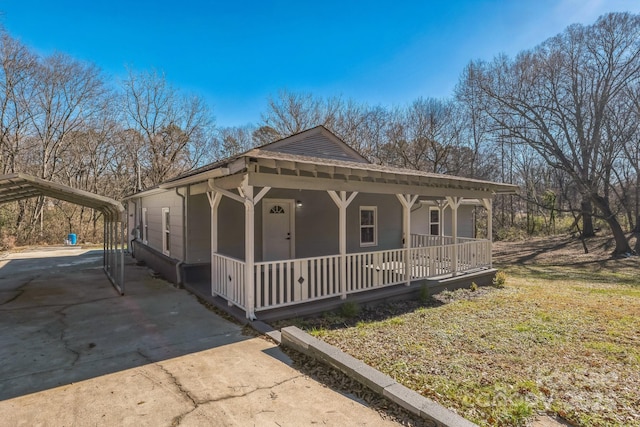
[(145, 227), (373, 226), (166, 231), (432, 223)]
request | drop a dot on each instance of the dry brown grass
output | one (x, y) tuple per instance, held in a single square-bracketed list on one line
[(562, 337)]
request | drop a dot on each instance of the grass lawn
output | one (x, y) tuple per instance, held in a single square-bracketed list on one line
[(562, 337)]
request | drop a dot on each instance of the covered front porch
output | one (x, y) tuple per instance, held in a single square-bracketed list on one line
[(289, 230), (281, 283), (258, 283)]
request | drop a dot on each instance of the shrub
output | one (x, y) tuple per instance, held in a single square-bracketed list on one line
[(349, 309), (500, 279), (424, 295), (7, 241), (473, 287)]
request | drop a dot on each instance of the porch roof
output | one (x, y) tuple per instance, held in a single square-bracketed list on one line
[(284, 170), (267, 167), (366, 172)]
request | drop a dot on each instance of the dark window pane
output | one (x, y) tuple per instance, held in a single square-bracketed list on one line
[(435, 229), (366, 217), (435, 216), (367, 235)]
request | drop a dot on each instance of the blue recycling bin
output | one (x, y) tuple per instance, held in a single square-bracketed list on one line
[(72, 238)]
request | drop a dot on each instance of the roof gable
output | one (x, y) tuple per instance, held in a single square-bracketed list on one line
[(316, 142)]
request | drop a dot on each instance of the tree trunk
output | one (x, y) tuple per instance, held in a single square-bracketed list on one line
[(587, 218), (622, 245)]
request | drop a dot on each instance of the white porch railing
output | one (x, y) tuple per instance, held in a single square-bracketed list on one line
[(227, 279), (287, 282), (473, 254), (368, 270), (431, 261), (424, 240)]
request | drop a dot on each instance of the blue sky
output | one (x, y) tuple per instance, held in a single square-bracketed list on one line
[(235, 54)]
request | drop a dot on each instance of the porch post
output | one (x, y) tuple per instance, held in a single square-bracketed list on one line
[(342, 202), (488, 205), (249, 249), (441, 206), (407, 201), (454, 203), (214, 202)]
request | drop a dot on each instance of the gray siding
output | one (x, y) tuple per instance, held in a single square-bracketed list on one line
[(198, 229), (231, 228), (389, 222), (465, 221), (316, 224), (154, 204), (420, 220)]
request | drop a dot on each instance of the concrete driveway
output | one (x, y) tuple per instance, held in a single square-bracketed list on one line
[(73, 352)]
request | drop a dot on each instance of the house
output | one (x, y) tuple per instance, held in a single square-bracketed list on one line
[(307, 219)]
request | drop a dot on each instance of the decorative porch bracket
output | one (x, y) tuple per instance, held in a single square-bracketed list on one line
[(247, 198), (342, 202), (454, 203), (488, 205), (407, 201)]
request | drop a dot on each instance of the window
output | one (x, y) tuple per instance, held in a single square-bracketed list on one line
[(368, 226), (144, 230), (277, 209), (434, 221), (166, 231)]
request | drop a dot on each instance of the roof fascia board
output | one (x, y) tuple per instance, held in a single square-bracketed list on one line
[(323, 184), (359, 170), (195, 179)]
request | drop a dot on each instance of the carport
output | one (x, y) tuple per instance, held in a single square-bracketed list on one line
[(19, 186)]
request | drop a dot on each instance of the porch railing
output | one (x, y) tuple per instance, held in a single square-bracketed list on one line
[(286, 282), (474, 254), (281, 283), (227, 279), (369, 270), (424, 240)]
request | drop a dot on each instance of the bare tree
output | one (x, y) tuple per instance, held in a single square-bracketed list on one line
[(234, 140), (555, 99), (17, 73), (174, 130), (290, 112)]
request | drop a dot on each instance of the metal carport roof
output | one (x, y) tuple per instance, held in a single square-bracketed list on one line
[(19, 186)]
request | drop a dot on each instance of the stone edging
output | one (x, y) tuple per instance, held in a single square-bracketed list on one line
[(380, 383)]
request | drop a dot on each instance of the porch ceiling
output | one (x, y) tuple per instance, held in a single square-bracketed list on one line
[(19, 186)]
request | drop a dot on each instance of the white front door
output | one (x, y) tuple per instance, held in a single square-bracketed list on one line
[(277, 229)]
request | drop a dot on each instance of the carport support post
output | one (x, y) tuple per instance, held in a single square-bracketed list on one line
[(112, 250), (108, 244), (123, 239), (104, 244), (343, 203), (407, 201), (454, 203)]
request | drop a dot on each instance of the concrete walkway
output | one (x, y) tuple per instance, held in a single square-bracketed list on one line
[(73, 352)]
